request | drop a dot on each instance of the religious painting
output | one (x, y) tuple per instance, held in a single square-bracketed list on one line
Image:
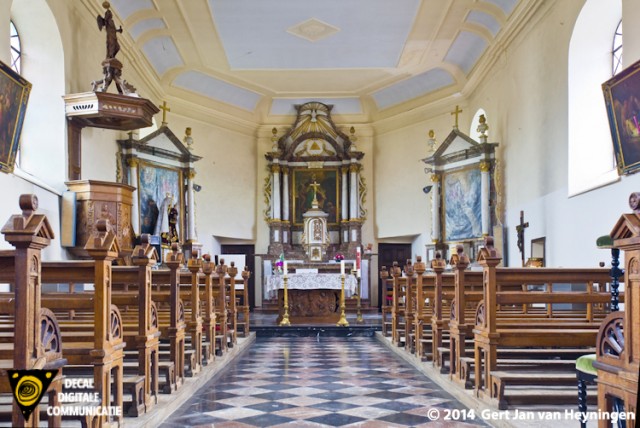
[(326, 194), (14, 94), (622, 98), (159, 188), (462, 204)]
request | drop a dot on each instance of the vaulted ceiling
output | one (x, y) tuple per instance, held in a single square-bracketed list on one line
[(255, 59)]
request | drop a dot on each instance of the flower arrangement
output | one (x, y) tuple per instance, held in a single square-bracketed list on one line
[(338, 257), (279, 264)]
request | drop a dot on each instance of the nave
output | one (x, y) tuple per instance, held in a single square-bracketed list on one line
[(314, 382)]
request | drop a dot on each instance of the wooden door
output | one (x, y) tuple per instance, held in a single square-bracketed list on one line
[(249, 252), (387, 254)]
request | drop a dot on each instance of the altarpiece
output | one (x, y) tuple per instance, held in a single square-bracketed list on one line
[(314, 167), (463, 192)]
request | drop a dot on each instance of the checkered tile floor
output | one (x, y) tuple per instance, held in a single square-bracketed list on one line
[(306, 382)]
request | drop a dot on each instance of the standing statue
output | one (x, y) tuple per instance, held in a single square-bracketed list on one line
[(167, 224), (111, 67), (113, 47)]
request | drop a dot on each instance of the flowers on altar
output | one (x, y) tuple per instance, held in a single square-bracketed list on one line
[(279, 264), (338, 257)]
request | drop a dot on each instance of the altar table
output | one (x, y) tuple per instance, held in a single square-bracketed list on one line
[(313, 297)]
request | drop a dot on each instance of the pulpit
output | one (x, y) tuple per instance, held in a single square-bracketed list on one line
[(96, 200)]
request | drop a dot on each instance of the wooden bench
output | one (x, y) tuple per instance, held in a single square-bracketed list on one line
[(30, 337), (103, 347), (495, 329)]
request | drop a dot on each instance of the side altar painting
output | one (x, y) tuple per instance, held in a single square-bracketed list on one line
[(159, 194), (462, 204)]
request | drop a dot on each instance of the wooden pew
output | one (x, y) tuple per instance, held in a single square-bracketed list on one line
[(103, 348), (495, 329), (618, 342), (387, 303), (30, 335), (171, 316), (244, 308)]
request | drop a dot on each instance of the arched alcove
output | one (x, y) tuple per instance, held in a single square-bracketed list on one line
[(591, 161)]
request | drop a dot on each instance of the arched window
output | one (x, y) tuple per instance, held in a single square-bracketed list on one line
[(616, 52), (590, 151), (16, 48)]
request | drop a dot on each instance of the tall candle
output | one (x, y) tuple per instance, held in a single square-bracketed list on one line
[(341, 267), (358, 260), (285, 267)]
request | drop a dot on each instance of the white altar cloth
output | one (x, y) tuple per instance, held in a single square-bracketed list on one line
[(312, 281)]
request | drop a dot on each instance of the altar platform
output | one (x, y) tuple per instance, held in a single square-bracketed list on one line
[(264, 325)]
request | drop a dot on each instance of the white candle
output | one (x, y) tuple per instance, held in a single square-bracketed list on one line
[(341, 267), (285, 267), (358, 272)]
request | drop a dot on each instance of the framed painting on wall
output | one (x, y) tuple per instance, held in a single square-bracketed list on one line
[(622, 99), (14, 95), (462, 204), (302, 195), (155, 182)]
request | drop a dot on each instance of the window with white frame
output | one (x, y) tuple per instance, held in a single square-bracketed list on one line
[(591, 55)]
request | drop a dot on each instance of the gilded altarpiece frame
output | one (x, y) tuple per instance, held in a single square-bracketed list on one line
[(328, 194)]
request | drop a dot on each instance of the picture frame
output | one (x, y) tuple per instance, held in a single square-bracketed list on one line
[(154, 182), (622, 100), (328, 193), (462, 204), (14, 96)]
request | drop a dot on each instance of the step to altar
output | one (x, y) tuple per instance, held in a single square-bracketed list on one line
[(355, 330)]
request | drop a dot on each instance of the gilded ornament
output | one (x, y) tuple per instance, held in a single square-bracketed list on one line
[(485, 166), (354, 167), (435, 178), (275, 168)]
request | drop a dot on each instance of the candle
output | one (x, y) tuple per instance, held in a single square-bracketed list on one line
[(285, 267), (341, 267), (358, 260)]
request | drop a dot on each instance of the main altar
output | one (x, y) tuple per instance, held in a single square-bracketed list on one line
[(315, 197)]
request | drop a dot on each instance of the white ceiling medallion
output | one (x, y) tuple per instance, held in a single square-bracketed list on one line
[(313, 30)]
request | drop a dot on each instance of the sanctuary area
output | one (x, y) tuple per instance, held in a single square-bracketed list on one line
[(338, 213)]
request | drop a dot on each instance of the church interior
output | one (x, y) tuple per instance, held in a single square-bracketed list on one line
[(343, 213)]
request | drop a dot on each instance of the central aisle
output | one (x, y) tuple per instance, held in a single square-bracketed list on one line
[(313, 382)]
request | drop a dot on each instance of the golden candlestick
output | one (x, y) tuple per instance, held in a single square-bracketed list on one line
[(359, 319), (285, 317), (342, 322)]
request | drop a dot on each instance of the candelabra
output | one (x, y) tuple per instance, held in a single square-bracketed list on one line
[(342, 322), (359, 319), (285, 317)]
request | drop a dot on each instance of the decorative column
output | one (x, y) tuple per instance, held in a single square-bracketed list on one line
[(286, 225), (435, 208), (191, 207), (275, 192), (485, 166), (133, 182), (354, 210), (345, 204), (285, 193)]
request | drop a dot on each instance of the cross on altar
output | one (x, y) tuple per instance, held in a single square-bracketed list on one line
[(314, 186), (456, 112), (520, 229), (164, 109)]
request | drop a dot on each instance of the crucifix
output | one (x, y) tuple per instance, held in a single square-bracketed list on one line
[(456, 112), (314, 186), (164, 109), (520, 229)]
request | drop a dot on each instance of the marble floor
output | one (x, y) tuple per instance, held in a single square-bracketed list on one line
[(315, 382)]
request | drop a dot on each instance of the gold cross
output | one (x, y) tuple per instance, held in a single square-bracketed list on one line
[(164, 109), (315, 187), (457, 111)]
